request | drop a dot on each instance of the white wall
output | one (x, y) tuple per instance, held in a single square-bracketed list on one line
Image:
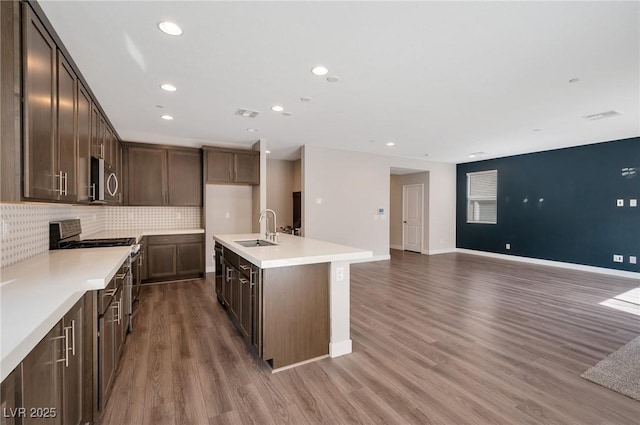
[(280, 190), (353, 185), (395, 208), (229, 210)]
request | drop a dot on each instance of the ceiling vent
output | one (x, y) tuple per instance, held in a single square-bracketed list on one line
[(247, 113), (601, 115)]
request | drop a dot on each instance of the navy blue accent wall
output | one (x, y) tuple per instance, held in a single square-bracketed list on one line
[(560, 205)]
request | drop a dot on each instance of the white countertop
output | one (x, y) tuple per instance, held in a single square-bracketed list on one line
[(139, 233), (291, 251), (36, 293)]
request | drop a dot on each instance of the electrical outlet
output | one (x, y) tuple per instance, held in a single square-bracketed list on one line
[(633, 202), (508, 246), (617, 258), (620, 203), (633, 259)]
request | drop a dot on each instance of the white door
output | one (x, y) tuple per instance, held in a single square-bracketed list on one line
[(412, 208)]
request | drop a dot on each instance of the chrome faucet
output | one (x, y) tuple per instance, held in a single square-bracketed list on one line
[(268, 235)]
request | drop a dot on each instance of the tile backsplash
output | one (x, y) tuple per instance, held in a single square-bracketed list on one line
[(122, 218), (24, 229)]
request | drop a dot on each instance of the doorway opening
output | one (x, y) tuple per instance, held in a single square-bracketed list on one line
[(409, 210)]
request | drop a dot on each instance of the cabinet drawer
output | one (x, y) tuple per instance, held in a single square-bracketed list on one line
[(174, 239), (245, 267)]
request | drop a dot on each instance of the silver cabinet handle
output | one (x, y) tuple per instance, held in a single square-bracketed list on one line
[(121, 276), (118, 311), (109, 292), (244, 281), (92, 192), (59, 177), (244, 267), (229, 271), (73, 337), (102, 150), (112, 177), (66, 347), (66, 179)]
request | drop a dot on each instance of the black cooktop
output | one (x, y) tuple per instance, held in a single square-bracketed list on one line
[(97, 243)]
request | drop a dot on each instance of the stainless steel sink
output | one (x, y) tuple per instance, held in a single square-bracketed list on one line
[(255, 242)]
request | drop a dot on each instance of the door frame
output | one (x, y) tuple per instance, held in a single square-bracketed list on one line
[(404, 186)]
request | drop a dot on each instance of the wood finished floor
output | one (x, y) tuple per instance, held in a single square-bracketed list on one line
[(444, 339)]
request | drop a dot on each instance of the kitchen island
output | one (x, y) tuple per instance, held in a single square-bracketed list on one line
[(289, 300)]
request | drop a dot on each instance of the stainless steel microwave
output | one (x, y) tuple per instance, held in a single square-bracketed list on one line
[(104, 182)]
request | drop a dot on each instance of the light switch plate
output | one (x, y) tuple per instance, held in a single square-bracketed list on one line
[(633, 259)]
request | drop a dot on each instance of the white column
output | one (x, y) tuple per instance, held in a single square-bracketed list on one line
[(339, 309)]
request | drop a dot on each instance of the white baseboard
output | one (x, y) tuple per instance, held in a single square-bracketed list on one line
[(399, 247), (371, 259), (339, 348), (571, 266), (440, 251)]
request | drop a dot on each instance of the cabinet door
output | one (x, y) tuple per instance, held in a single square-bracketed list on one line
[(118, 167), (161, 261), (247, 168), (219, 167), (11, 397), (109, 149), (96, 134), (190, 258), (39, 120), (83, 135), (245, 308), (229, 273), (236, 295), (147, 176), (107, 354), (119, 331), (73, 378), (185, 178), (66, 131), (42, 379)]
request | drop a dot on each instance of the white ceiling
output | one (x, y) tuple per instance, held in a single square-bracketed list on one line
[(440, 78)]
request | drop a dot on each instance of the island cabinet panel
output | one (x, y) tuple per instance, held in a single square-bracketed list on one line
[(295, 313), (185, 177), (11, 397)]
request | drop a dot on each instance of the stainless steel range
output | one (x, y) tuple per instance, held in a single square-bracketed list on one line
[(65, 234)]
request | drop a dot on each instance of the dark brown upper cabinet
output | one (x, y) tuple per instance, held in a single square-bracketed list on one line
[(50, 146), (84, 105), (185, 170), (39, 67), (231, 166), (160, 176)]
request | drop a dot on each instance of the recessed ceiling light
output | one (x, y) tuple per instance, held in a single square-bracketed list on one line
[(168, 87), (267, 151), (252, 130), (333, 79), (319, 70), (574, 80), (170, 28), (390, 144), (477, 154), (167, 117), (305, 99), (277, 108)]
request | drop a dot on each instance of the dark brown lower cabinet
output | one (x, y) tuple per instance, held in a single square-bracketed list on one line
[(281, 312), (47, 387), (174, 257)]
